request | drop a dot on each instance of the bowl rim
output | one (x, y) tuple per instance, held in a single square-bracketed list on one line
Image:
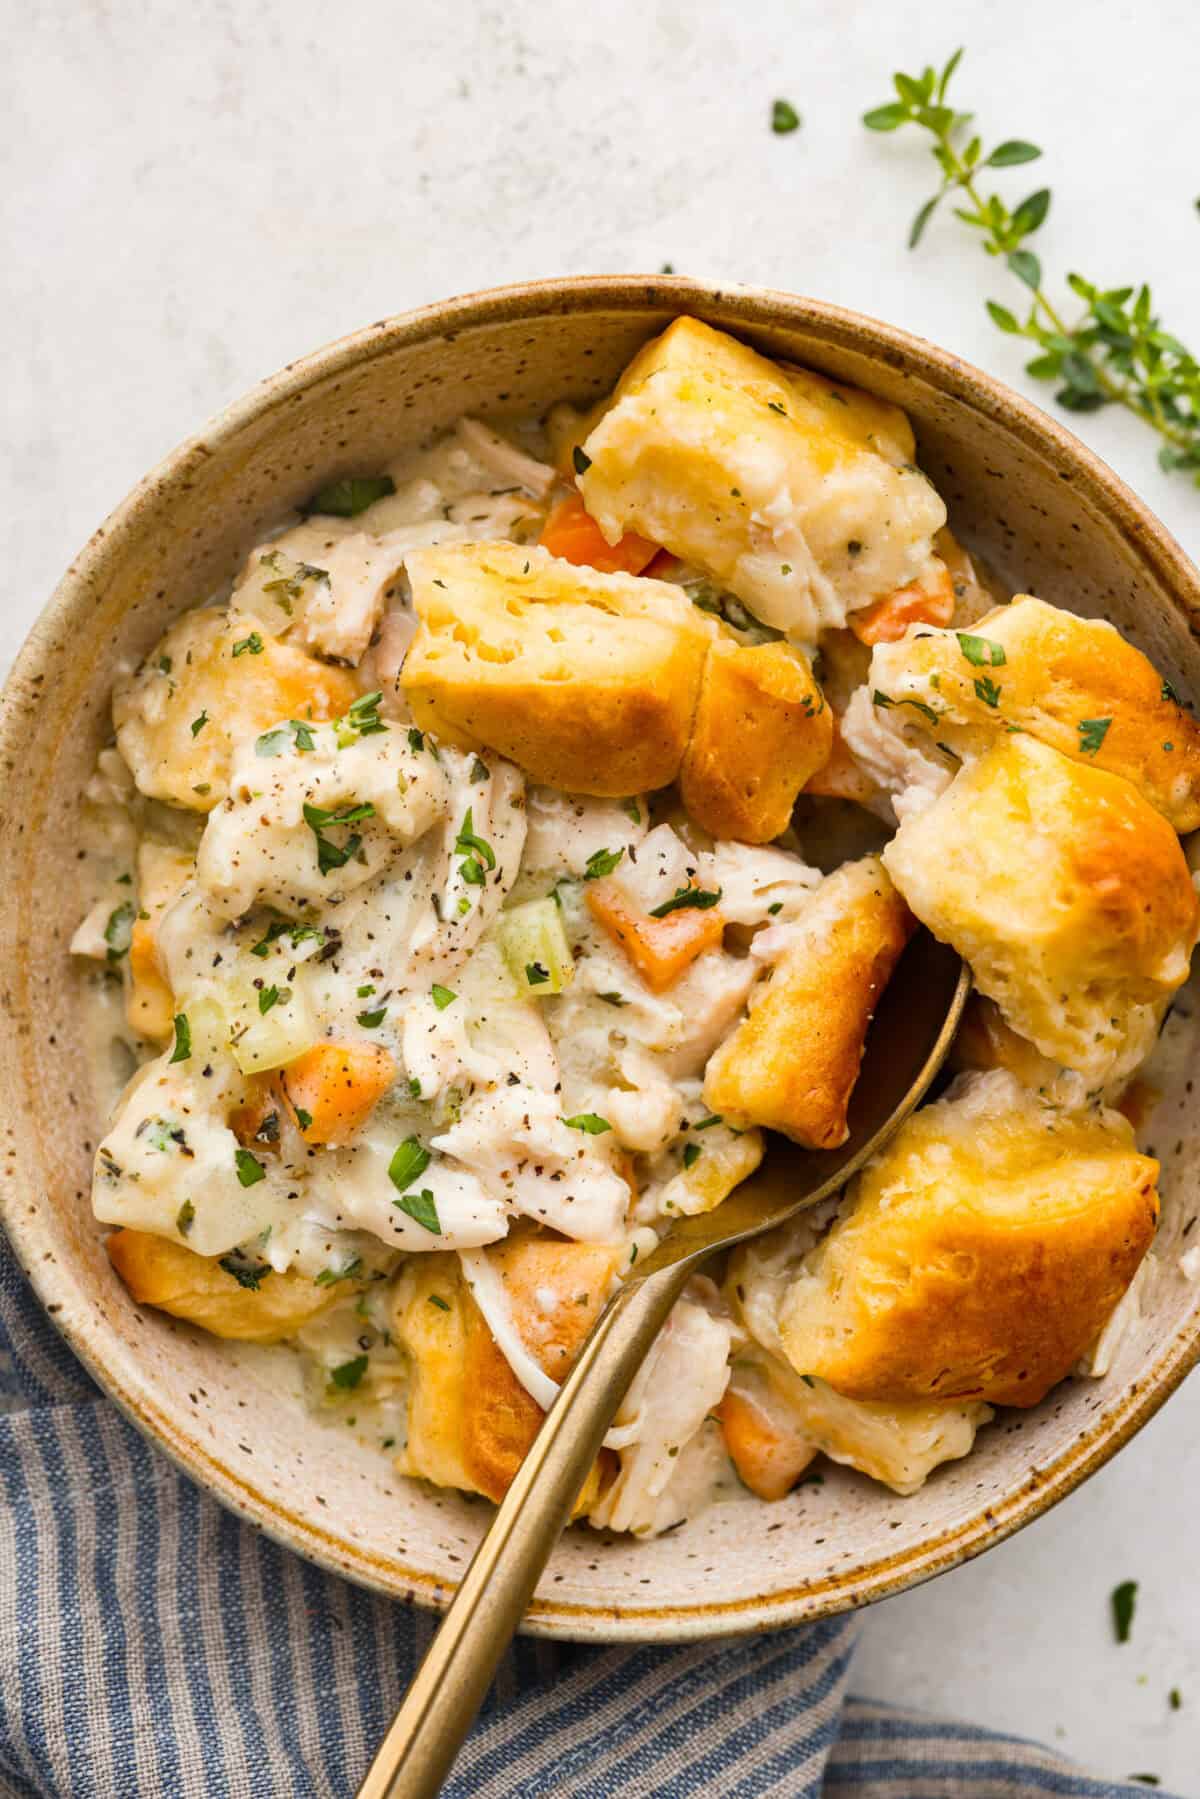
[(745, 308)]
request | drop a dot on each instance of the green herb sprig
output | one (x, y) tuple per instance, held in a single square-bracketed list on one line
[(1115, 351)]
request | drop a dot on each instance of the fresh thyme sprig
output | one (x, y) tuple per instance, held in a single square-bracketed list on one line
[(1115, 352)]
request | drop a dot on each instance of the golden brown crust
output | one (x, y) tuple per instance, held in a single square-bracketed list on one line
[(1074, 683), (792, 1063), (471, 1422), (172, 1277), (761, 729), (980, 1254), (1068, 894), (194, 674), (587, 681)]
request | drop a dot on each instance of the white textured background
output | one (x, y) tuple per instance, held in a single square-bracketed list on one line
[(194, 194)]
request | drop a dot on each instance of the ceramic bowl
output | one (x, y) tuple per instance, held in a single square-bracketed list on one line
[(1047, 515)]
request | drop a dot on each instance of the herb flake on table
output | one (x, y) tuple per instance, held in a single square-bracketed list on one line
[(784, 118), (1123, 1600)]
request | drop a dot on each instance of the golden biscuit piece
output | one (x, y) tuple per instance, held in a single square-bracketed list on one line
[(978, 1255), (761, 729), (470, 1421), (798, 494), (214, 679), (1074, 683), (792, 1063), (162, 874), (588, 681), (1067, 893), (161, 1273)]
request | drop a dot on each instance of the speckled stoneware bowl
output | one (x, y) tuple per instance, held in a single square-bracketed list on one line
[(1047, 515)]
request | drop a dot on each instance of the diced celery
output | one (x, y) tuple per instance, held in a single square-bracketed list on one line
[(536, 949), (263, 1040)]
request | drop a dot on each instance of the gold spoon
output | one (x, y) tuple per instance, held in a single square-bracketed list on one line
[(908, 1041)]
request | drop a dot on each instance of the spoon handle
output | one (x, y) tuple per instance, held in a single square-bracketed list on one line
[(440, 1705)]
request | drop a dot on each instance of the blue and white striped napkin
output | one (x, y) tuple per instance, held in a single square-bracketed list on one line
[(152, 1644)]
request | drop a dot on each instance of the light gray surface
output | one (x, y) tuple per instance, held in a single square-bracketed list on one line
[(193, 196)]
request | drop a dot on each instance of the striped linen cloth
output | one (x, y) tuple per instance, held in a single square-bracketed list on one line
[(152, 1644)]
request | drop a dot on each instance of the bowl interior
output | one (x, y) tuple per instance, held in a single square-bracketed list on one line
[(1047, 517)]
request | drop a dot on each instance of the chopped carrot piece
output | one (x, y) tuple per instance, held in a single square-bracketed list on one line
[(334, 1087), (151, 1004), (661, 949), (571, 532), (769, 1461), (927, 602)]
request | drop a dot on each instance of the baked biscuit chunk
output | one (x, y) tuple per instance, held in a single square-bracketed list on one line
[(1067, 893), (979, 1255)]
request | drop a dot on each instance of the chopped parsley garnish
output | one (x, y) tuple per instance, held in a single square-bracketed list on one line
[(1175, 1699), (601, 863), (270, 996), (369, 1020), (691, 1154), (772, 909), (435, 1299), (246, 1274), (198, 724), (318, 820), (442, 996), (329, 1277), (987, 690), (118, 932), (183, 1038), (696, 899), (981, 652), (281, 928), (706, 1124), (632, 811), (1122, 1600), (248, 646), (416, 739), (347, 1375), (479, 771), (362, 720), (408, 1163), (303, 1118), (885, 699), (774, 406), (613, 999), (581, 460), (1169, 693), (1092, 732), (479, 858), (295, 731), (351, 495), (535, 974), (591, 1122), (422, 1209), (164, 665), (184, 1217), (249, 1169), (784, 119), (414, 1087)]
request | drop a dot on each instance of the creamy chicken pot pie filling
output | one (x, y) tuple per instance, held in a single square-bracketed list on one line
[(465, 932)]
